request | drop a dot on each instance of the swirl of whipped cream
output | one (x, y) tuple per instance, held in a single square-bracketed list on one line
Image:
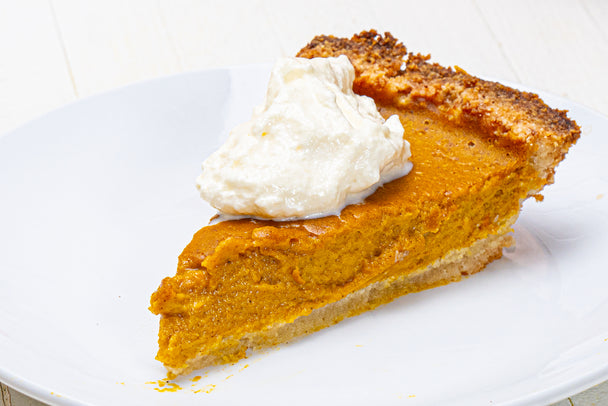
[(312, 147)]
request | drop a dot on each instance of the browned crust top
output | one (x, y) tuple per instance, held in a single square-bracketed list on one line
[(385, 70)]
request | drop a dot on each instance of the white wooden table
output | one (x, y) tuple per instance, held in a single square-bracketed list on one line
[(53, 52)]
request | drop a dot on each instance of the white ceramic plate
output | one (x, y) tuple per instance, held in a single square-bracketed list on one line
[(98, 200)]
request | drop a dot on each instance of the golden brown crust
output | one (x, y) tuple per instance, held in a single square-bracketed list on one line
[(385, 70)]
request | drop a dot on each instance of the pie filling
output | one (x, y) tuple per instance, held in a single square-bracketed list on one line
[(242, 276), (478, 150)]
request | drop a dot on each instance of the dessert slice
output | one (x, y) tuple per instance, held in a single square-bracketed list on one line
[(478, 149)]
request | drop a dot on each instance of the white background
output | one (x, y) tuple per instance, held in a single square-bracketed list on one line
[(53, 52)]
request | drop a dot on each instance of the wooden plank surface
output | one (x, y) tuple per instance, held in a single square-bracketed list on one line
[(112, 43), (34, 77), (562, 42), (206, 37), (56, 51)]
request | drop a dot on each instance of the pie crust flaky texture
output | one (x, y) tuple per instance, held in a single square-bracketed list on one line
[(478, 148)]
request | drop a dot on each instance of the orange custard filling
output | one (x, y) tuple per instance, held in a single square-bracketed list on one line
[(478, 150)]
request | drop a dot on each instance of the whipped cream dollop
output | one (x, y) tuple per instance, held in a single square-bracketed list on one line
[(312, 147)]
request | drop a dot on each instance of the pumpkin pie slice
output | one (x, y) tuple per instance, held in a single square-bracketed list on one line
[(479, 149)]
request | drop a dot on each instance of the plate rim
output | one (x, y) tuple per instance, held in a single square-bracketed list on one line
[(554, 393)]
